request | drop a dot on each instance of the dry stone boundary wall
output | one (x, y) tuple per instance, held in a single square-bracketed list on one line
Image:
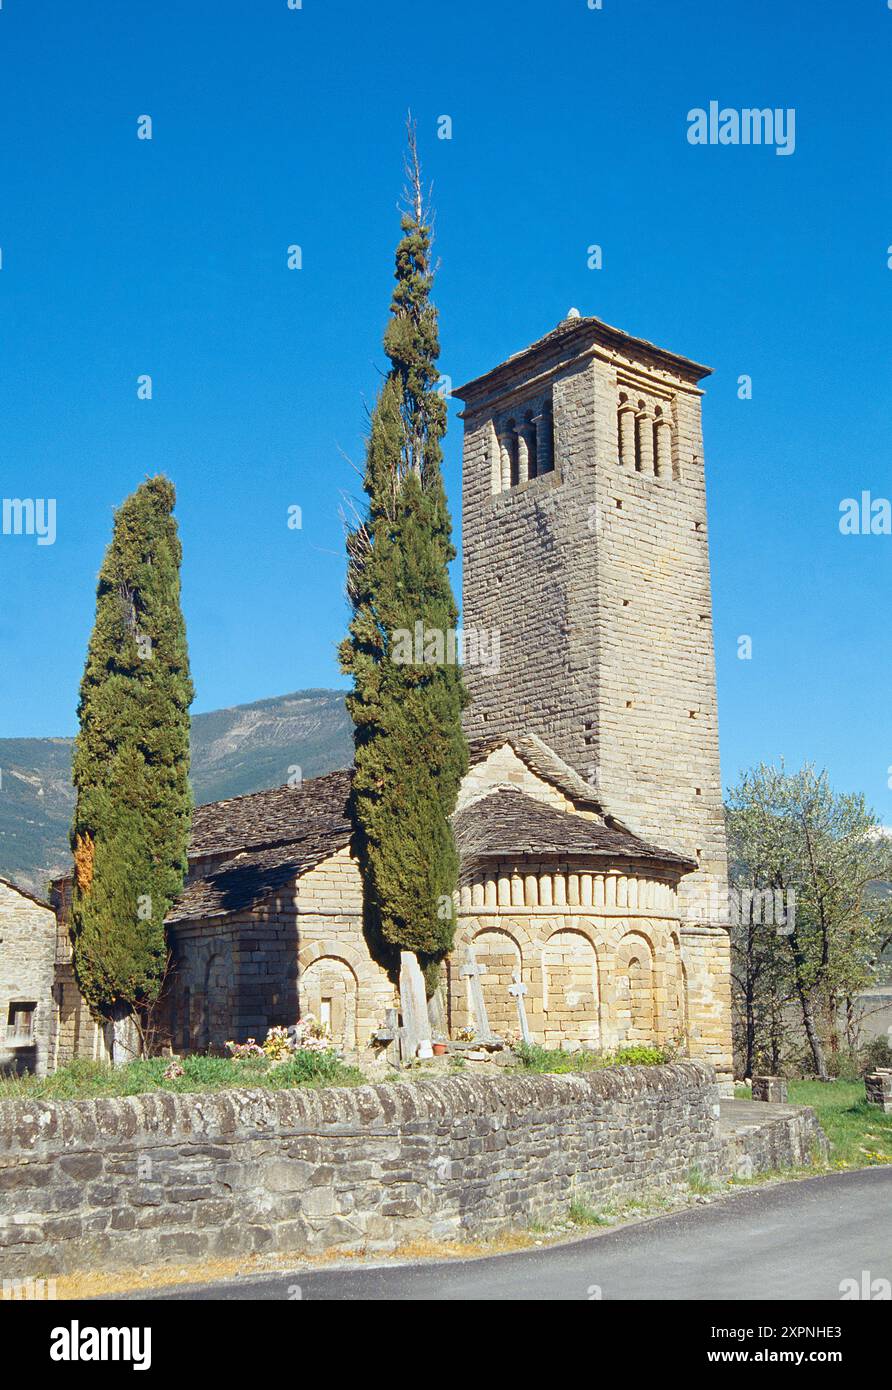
[(111, 1183)]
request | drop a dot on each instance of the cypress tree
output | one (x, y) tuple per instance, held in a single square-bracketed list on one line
[(132, 818), (410, 752)]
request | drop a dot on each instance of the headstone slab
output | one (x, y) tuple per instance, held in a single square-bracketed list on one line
[(517, 990), (416, 1030), (471, 971)]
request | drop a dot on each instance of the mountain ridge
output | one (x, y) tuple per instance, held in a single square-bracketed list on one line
[(237, 749)]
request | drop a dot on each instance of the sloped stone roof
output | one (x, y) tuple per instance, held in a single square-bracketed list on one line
[(508, 822), (272, 837), (573, 335), (317, 807), (540, 759), (275, 836), (237, 884), (25, 893)]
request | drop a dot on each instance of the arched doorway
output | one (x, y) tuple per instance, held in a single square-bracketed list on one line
[(329, 991)]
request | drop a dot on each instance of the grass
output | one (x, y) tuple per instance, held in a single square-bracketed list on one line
[(612, 1213), (84, 1080), (860, 1134), (699, 1183), (581, 1214), (543, 1059)]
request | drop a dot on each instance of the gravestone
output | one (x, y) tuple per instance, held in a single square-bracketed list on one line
[(472, 971), (416, 1030), (518, 990)]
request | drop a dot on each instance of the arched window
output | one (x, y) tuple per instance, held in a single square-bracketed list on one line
[(625, 426), (513, 453), (521, 448), (644, 436), (644, 440), (528, 465), (662, 444), (544, 423)]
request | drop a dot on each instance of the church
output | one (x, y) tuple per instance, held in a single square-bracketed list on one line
[(590, 824)]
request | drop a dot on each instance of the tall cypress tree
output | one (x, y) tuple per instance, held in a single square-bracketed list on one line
[(410, 752), (132, 819)]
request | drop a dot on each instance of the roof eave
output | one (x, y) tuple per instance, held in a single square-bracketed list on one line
[(598, 333)]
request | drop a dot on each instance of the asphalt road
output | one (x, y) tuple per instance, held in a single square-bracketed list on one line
[(796, 1240)]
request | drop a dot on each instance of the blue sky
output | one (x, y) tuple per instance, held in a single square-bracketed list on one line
[(274, 126)]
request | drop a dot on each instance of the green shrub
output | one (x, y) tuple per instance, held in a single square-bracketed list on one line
[(542, 1059), (877, 1053), (640, 1057), (845, 1066)]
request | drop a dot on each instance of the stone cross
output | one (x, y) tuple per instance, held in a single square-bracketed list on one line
[(413, 1006), (472, 971), (518, 990)]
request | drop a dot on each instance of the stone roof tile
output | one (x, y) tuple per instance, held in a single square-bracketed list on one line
[(277, 816), (508, 822)]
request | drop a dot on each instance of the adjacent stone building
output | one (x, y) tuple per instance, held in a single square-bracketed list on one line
[(27, 972), (590, 824)]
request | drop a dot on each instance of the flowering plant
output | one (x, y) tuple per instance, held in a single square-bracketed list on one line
[(281, 1044), (239, 1051), (312, 1034)]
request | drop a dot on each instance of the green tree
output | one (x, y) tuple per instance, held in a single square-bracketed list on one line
[(410, 752), (132, 818), (821, 852)]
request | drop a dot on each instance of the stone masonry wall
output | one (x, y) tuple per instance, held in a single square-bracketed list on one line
[(599, 974), (121, 1182), (77, 1034)]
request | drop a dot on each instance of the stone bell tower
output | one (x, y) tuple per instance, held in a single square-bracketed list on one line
[(585, 546)]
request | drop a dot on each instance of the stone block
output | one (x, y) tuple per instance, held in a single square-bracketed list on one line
[(878, 1088), (772, 1089)]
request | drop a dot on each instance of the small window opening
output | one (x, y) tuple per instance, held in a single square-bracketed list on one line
[(20, 1022)]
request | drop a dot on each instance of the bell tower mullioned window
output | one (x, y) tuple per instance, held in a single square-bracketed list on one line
[(522, 446), (645, 435)]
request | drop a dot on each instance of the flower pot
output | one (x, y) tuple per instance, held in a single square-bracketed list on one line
[(440, 1049)]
